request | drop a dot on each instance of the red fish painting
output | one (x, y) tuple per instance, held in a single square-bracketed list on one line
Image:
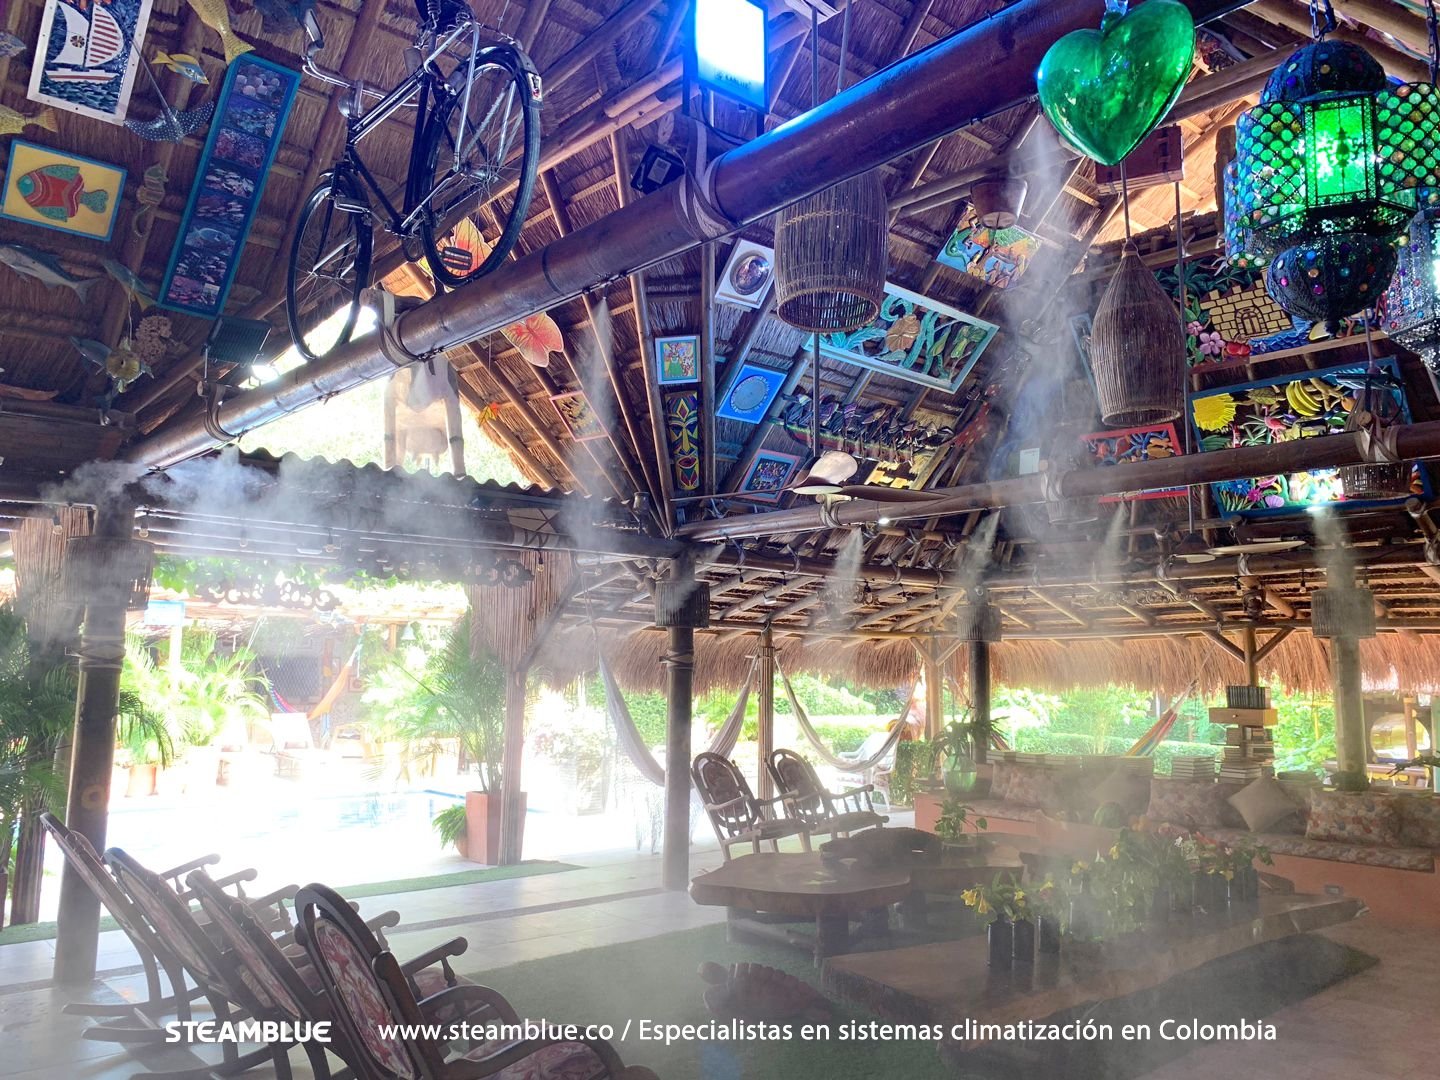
[(58, 192)]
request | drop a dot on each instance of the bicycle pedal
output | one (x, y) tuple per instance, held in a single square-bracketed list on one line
[(351, 205)]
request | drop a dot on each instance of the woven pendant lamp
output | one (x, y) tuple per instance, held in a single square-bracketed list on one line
[(1137, 349), (831, 256)]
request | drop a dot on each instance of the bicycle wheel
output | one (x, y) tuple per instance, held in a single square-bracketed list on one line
[(491, 158), (329, 267)]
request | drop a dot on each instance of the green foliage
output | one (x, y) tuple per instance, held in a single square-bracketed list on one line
[(915, 762), (1305, 736), (954, 814), (421, 697), (1015, 707), (209, 692), (449, 824)]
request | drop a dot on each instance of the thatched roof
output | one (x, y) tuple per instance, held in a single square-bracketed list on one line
[(1300, 664)]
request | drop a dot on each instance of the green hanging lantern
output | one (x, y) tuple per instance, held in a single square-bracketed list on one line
[(1105, 90), (1325, 179), (1412, 304)]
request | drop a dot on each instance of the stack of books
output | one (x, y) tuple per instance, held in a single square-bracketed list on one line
[(1247, 697), (1192, 768), (1240, 769)]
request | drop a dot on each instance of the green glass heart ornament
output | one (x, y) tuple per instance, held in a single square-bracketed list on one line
[(1106, 89)]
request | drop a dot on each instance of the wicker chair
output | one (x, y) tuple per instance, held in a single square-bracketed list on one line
[(823, 812), (367, 989), (736, 815)]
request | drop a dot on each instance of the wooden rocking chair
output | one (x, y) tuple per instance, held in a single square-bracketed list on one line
[(824, 812), (368, 989), (736, 815)]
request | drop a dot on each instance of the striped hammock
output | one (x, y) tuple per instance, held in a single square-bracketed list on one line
[(1146, 744)]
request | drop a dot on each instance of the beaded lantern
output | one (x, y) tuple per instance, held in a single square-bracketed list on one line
[(1412, 306), (1325, 178)]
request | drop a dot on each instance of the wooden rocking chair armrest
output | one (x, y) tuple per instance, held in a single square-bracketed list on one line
[(237, 878), (453, 947), (863, 789), (715, 808), (460, 996), (173, 874), (273, 899), (385, 920)]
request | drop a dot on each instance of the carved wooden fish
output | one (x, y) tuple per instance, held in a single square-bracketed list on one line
[(214, 14), (58, 192), (13, 122), (44, 268), (182, 64)]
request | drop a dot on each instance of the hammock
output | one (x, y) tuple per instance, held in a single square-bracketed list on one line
[(813, 736), (634, 746), (1146, 744), (326, 703)]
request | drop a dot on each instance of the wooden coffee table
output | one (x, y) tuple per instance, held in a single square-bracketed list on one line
[(762, 890)]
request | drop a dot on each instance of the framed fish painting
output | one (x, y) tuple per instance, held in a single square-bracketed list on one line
[(254, 105), (767, 476), (1122, 447), (56, 190), (999, 257), (86, 56), (677, 360)]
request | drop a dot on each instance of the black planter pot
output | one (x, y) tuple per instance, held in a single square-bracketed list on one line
[(1024, 938), (1159, 913), (1245, 887), (1083, 923), (1002, 943), (1047, 934), (1202, 891)]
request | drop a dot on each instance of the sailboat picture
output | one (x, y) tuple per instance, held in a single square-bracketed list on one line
[(87, 54)]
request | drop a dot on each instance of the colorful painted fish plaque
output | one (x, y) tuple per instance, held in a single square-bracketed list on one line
[(1135, 444), (916, 339), (61, 191), (249, 121), (86, 56), (1298, 406)]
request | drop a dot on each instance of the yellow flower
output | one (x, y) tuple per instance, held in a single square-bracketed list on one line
[(971, 897), (1080, 867), (1115, 852), (1019, 896), (1213, 413), (983, 907)]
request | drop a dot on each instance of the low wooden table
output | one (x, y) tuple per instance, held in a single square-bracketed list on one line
[(948, 983), (796, 885)]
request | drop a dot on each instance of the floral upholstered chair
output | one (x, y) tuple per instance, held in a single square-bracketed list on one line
[(369, 993), (823, 812), (736, 815)]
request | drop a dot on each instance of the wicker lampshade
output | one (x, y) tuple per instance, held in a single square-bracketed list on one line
[(1341, 610), (831, 256), (108, 570), (1137, 349)]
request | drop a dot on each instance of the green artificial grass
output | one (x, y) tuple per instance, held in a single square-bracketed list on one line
[(45, 931)]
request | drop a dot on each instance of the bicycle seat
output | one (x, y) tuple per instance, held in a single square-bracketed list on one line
[(312, 31), (445, 14)]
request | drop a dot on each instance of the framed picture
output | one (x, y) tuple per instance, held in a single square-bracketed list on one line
[(1135, 444), (749, 397), (579, 416), (677, 360), (767, 476), (747, 275), (999, 257), (56, 190), (682, 429), (86, 56), (254, 105)]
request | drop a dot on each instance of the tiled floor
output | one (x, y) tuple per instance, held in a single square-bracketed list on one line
[(1371, 1026)]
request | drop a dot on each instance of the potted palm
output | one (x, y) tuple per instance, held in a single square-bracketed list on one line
[(459, 697)]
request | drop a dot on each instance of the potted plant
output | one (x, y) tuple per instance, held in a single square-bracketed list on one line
[(960, 742), (951, 825), (450, 825), (459, 696), (1011, 929)]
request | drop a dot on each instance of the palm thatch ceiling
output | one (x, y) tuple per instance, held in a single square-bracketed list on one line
[(612, 89)]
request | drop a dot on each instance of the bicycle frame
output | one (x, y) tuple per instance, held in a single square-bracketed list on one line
[(360, 124)]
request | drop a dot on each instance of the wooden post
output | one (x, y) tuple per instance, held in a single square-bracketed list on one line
[(102, 655), (980, 692), (934, 691), (1252, 662), (765, 726), (1349, 705), (512, 793), (679, 676)]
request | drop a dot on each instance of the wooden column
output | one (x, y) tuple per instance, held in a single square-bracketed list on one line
[(934, 690), (1349, 704), (765, 726), (512, 792), (102, 655), (1252, 661), (679, 677), (980, 692)]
